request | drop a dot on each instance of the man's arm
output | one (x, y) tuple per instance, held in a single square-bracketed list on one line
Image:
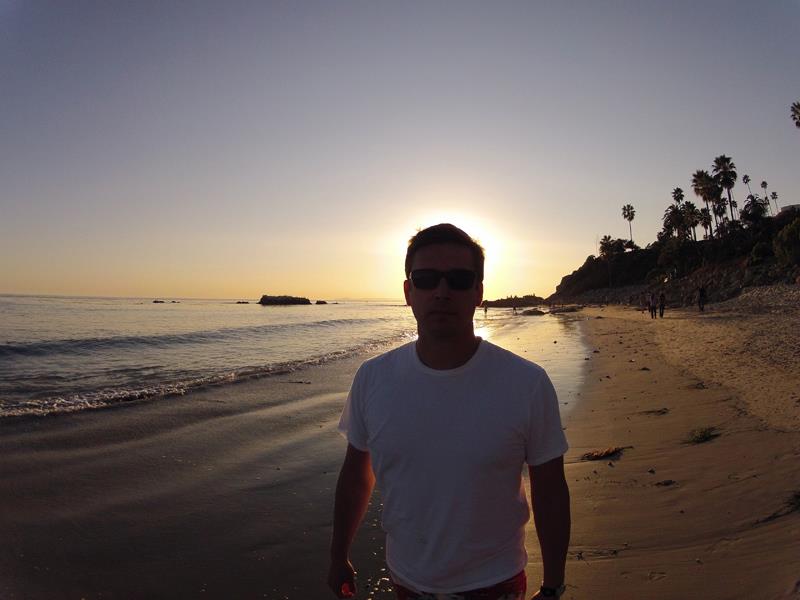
[(550, 497), (353, 491)]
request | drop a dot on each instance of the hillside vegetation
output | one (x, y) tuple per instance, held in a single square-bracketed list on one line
[(737, 248)]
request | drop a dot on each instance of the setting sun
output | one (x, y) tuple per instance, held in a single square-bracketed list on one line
[(480, 228)]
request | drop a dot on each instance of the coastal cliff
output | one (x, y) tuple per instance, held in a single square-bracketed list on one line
[(764, 253)]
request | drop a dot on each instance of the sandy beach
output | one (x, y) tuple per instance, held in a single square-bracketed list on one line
[(227, 493), (674, 519)]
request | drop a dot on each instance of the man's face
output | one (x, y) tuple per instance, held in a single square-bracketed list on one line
[(442, 312)]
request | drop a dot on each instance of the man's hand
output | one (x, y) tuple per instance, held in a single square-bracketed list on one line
[(551, 514), (539, 596), (341, 579), (353, 490)]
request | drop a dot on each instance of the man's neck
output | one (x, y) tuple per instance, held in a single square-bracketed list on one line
[(448, 353)]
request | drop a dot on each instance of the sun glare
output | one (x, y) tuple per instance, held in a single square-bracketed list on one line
[(481, 229)]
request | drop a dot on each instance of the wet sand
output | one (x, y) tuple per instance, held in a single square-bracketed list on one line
[(227, 492), (224, 493)]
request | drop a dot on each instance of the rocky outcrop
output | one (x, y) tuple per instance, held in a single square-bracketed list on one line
[(570, 308), (282, 300), (515, 301), (620, 270)]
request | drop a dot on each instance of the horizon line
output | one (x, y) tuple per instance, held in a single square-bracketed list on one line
[(156, 297)]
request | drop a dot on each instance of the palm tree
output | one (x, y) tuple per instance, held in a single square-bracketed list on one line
[(674, 221), (718, 206), (796, 114), (754, 208), (766, 196), (746, 181), (725, 176), (605, 245), (705, 220), (628, 212), (677, 195), (774, 196), (701, 183), (691, 217)]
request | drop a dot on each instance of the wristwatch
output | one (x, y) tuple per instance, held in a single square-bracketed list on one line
[(548, 592)]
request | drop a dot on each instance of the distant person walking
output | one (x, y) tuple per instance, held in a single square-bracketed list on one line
[(701, 298), (662, 303), (652, 305)]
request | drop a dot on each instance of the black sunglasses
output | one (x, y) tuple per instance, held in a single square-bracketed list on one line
[(457, 279)]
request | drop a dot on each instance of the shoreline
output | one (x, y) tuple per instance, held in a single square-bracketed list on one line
[(159, 391), (70, 355), (203, 494), (226, 491), (208, 384)]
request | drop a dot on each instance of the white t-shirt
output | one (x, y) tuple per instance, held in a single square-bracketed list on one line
[(448, 449)]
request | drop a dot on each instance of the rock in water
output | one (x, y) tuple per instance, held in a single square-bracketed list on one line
[(282, 300)]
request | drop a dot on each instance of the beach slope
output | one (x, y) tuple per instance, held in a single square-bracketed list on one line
[(703, 495)]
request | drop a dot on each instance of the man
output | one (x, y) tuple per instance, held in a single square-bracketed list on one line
[(445, 425)]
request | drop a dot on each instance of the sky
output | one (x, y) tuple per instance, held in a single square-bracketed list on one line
[(232, 149)]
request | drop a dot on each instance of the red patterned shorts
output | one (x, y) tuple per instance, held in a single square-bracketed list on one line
[(510, 589)]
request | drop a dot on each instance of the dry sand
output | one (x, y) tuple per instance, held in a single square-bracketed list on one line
[(226, 493), (671, 519)]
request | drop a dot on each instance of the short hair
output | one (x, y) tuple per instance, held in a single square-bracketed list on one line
[(445, 233)]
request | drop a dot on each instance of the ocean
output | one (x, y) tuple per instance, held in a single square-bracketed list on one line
[(65, 354)]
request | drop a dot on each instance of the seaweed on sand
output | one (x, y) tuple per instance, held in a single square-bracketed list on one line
[(702, 435), (613, 452)]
